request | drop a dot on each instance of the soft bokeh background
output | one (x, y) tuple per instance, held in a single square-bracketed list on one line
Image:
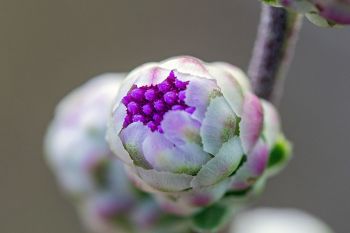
[(48, 47)]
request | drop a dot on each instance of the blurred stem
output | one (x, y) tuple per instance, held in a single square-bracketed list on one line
[(273, 51)]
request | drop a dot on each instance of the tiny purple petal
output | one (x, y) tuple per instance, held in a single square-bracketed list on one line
[(147, 109), (152, 126), (157, 118), (133, 107), (164, 86), (181, 85), (127, 121), (170, 97), (190, 110), (126, 99), (137, 94), (177, 107), (125, 124), (138, 117), (159, 105), (150, 94), (172, 76)]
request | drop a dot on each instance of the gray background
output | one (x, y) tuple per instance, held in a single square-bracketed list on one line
[(48, 47)]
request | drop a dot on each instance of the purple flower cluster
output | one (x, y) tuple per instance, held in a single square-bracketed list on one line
[(148, 104)]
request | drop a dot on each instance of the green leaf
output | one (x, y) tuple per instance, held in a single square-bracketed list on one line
[(280, 153), (211, 219)]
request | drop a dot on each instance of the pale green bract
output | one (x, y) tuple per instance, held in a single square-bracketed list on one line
[(324, 13), (227, 146)]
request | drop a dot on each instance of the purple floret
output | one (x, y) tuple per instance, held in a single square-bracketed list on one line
[(147, 109), (148, 104), (170, 97), (133, 107), (150, 94), (137, 94)]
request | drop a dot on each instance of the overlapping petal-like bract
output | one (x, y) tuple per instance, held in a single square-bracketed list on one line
[(325, 13), (268, 220), (87, 170), (191, 131)]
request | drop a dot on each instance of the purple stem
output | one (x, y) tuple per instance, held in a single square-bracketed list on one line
[(273, 51)]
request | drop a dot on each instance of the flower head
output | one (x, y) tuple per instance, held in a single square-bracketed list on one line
[(320, 12), (192, 130)]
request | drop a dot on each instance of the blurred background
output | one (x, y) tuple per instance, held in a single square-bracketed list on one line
[(49, 47)]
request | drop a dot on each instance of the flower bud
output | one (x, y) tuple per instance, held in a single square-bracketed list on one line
[(75, 145), (87, 171), (208, 133), (268, 220), (326, 13)]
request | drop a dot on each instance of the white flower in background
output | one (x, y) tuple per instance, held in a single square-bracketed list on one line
[(269, 220)]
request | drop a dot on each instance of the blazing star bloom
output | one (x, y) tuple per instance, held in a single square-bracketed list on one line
[(320, 12), (190, 131), (267, 220), (85, 167)]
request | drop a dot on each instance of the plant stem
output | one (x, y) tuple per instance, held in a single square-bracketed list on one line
[(273, 51)]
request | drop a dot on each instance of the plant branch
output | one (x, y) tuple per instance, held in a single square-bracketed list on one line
[(273, 51)]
